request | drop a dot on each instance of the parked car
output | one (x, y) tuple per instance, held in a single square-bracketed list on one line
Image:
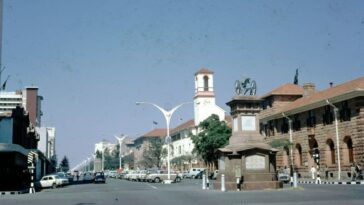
[(99, 177), (65, 180), (194, 171), (141, 176), (161, 175), (199, 175), (213, 175), (112, 174), (283, 177), (133, 175), (53, 181), (184, 174)]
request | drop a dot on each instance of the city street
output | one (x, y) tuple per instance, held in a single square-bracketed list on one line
[(187, 192)]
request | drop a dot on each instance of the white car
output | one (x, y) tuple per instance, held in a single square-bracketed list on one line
[(161, 175), (53, 181), (194, 171)]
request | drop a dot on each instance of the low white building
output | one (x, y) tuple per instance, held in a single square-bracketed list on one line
[(47, 141), (105, 145)]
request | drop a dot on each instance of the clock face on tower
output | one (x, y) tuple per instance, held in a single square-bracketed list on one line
[(206, 102)]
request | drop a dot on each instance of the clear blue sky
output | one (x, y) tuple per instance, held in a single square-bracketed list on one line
[(92, 59)]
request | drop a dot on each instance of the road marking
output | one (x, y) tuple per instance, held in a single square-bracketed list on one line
[(152, 186)]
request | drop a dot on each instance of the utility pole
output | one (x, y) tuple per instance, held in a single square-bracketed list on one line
[(1, 39)]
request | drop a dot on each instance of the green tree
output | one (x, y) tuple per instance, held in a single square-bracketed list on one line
[(214, 134), (64, 165), (111, 159), (128, 159), (154, 153)]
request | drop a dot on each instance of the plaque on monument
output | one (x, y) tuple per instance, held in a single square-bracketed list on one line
[(248, 123), (255, 162), (222, 163)]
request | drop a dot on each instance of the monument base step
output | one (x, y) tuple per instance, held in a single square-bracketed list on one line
[(259, 185)]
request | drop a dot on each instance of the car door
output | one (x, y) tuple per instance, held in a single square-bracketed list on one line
[(43, 182), (48, 182)]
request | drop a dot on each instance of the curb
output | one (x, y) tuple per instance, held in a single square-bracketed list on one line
[(11, 192), (336, 183)]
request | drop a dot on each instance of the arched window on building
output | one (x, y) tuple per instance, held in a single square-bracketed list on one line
[(348, 153), (312, 145), (205, 83), (330, 152), (298, 155), (285, 156)]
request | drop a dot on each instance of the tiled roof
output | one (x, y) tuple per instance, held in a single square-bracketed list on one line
[(204, 71), (335, 94), (286, 89), (183, 126), (158, 132)]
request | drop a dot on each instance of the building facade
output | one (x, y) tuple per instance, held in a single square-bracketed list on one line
[(142, 144), (17, 139), (27, 98), (47, 141), (328, 122), (105, 145)]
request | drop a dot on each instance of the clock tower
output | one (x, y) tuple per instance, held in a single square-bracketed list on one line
[(204, 100)]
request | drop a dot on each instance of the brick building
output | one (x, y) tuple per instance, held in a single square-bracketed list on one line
[(310, 117), (142, 143)]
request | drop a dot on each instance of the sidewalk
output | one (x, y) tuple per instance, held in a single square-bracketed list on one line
[(331, 181)]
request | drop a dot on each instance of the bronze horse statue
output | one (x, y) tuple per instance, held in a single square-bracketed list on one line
[(246, 87)]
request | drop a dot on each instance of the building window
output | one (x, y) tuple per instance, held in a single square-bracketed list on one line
[(205, 83), (327, 117), (311, 119), (270, 128), (284, 126), (348, 150), (345, 112), (298, 155), (296, 124), (330, 152)]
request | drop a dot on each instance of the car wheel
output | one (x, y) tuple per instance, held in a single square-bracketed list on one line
[(178, 179), (54, 185), (193, 176), (157, 180)]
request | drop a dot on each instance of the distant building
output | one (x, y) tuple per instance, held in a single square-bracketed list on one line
[(106, 146), (141, 144), (47, 141), (312, 115), (27, 99)]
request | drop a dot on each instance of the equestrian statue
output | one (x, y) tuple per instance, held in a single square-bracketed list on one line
[(246, 87)]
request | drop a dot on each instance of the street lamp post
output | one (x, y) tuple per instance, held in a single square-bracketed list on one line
[(102, 158), (120, 140), (167, 115), (336, 112), (290, 149)]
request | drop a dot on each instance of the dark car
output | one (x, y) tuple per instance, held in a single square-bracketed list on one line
[(199, 175), (99, 177)]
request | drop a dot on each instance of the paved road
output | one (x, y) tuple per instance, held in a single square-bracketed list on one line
[(185, 193)]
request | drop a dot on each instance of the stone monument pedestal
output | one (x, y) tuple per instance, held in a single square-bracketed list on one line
[(247, 162)]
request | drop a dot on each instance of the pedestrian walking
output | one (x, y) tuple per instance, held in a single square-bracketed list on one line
[(326, 170), (313, 172), (352, 172)]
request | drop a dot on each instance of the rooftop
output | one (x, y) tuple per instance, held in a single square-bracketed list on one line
[(286, 89), (334, 94)]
